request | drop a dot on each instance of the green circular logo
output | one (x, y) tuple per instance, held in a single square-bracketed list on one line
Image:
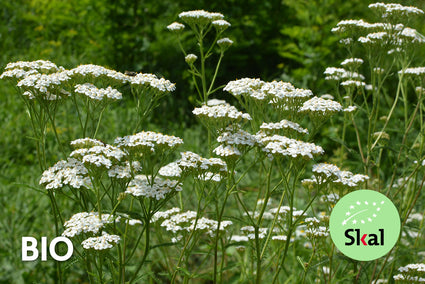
[(364, 225)]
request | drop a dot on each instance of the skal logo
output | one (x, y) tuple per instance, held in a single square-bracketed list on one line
[(364, 225)]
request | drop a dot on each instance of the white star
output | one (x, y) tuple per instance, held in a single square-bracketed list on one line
[(370, 220), (374, 203), (366, 203), (378, 209), (382, 202), (354, 221), (362, 222), (351, 207), (344, 223), (374, 215), (358, 203), (347, 214)]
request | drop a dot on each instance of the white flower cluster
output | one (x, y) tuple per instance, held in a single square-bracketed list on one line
[(277, 93), (190, 58), (172, 170), (337, 74), (284, 146), (164, 214), (311, 221), (188, 221), (99, 156), (347, 178), (352, 62), (44, 84), (250, 231), (413, 71), (125, 171), (175, 27), (221, 24), (283, 211), (281, 238), (84, 222), (148, 142), (148, 80), (321, 106), (105, 241), (214, 102), (245, 87), (413, 268), (158, 189), (394, 9), (411, 273), (349, 109), (331, 198), (353, 83), (152, 81), (408, 279), (94, 93), (346, 25), (96, 71), (224, 113), (200, 17), (374, 38), (86, 143), (193, 163), (228, 152), (17, 73), (209, 176), (70, 172), (41, 66), (320, 232), (283, 124), (224, 43), (233, 135), (326, 173)]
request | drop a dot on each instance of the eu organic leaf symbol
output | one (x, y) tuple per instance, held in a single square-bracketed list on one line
[(356, 209)]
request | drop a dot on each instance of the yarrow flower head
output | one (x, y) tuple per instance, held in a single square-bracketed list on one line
[(157, 189), (41, 66), (281, 146), (188, 222), (221, 25), (285, 125), (318, 107), (99, 157), (147, 142), (200, 17), (69, 172), (151, 81), (352, 62), (389, 10), (91, 91), (220, 115), (192, 163), (224, 43), (190, 58), (86, 143), (103, 242), (46, 87), (175, 27), (411, 273), (86, 223)]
